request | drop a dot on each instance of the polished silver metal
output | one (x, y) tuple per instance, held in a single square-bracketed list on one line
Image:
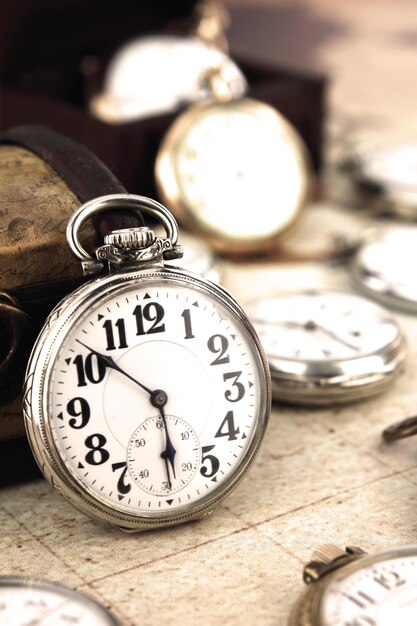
[(125, 256), (141, 204), (335, 384), (135, 238)]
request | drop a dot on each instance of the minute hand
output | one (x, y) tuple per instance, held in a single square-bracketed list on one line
[(108, 361), (311, 325)]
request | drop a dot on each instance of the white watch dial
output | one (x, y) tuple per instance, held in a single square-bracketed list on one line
[(154, 398), (379, 594), (237, 171), (322, 326), (25, 602), (385, 266)]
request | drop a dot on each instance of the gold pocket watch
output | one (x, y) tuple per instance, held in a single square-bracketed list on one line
[(234, 171), (352, 588), (32, 602), (147, 393), (328, 347)]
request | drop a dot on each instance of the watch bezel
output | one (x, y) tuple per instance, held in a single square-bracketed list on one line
[(169, 188), (35, 405)]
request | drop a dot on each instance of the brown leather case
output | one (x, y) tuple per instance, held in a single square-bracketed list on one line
[(44, 177)]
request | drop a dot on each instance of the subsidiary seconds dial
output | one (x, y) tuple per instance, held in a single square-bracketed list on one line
[(145, 444)]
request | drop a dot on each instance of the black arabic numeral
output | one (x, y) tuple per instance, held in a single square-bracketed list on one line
[(186, 314), (227, 428), (122, 486), (218, 344), (121, 332), (91, 369), (239, 387), (389, 580), (98, 454), (151, 312), (78, 407), (213, 462)]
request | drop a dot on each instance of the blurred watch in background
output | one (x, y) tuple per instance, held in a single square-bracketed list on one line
[(384, 267), (234, 171), (160, 73), (327, 232), (327, 347), (384, 179)]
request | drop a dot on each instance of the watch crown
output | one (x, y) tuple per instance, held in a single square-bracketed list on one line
[(328, 558), (131, 238), (327, 553)]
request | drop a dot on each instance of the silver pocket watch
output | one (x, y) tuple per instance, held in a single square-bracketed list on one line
[(328, 347), (147, 393)]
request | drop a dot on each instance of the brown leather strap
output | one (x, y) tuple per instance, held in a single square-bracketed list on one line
[(23, 310), (83, 172)]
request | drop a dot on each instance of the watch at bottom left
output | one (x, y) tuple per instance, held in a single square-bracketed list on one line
[(28, 601)]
